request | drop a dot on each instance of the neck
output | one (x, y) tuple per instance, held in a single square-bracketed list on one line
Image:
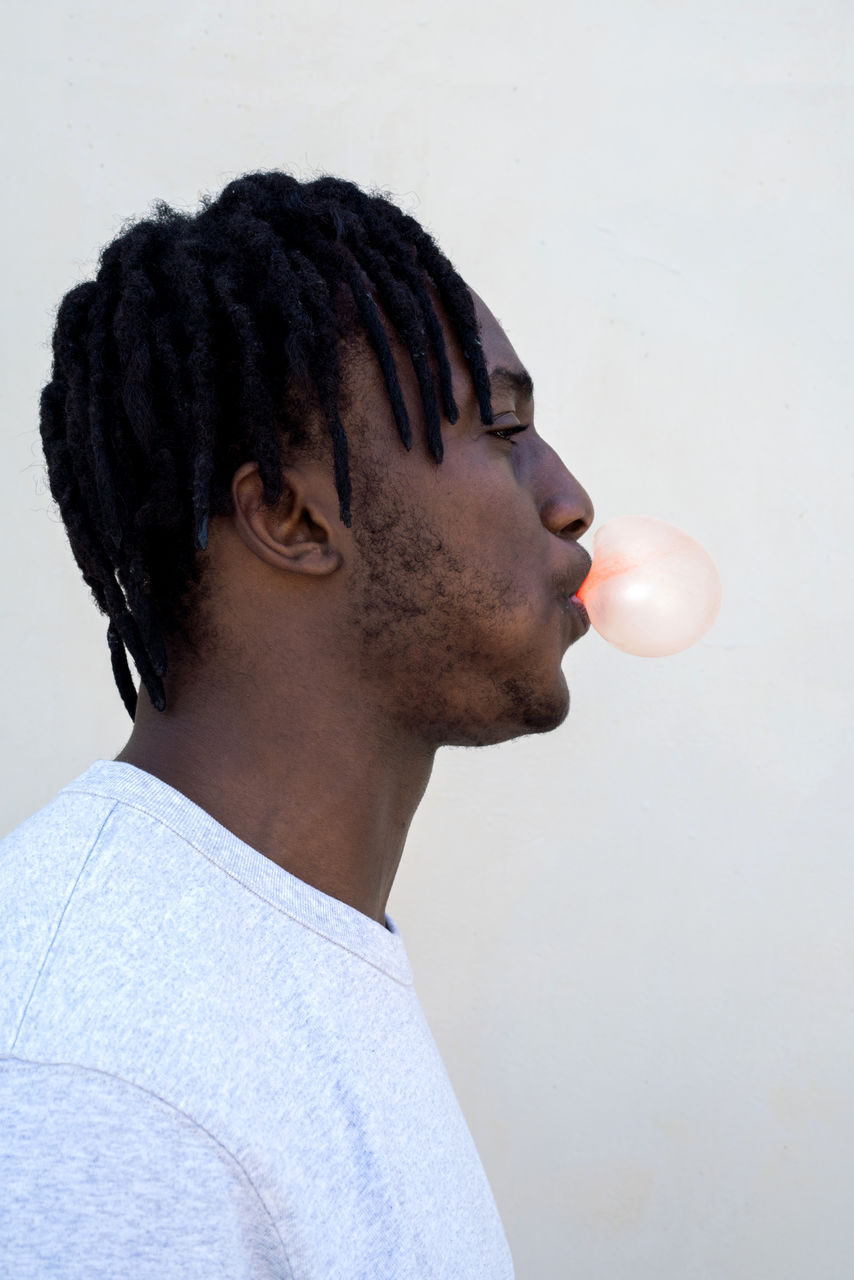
[(326, 791)]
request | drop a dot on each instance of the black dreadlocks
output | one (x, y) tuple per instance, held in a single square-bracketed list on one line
[(199, 346)]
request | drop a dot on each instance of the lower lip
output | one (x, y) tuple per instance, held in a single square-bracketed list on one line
[(578, 612)]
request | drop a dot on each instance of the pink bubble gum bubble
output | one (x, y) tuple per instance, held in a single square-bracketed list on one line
[(652, 590)]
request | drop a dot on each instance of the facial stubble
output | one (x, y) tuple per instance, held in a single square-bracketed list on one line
[(434, 633)]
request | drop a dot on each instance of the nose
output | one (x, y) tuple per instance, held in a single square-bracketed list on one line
[(564, 505)]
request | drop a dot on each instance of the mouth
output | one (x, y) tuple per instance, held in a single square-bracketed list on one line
[(570, 585), (580, 573), (582, 612), (577, 618)]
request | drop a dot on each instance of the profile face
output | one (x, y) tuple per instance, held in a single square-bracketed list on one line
[(465, 569)]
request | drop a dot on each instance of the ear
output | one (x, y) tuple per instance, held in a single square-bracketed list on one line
[(302, 533)]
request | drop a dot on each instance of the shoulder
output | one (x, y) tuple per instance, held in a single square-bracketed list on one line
[(101, 1177)]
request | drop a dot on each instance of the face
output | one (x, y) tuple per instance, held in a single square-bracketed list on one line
[(464, 571)]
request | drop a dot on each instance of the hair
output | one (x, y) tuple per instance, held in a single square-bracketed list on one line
[(200, 344)]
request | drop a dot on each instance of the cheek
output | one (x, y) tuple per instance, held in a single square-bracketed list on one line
[(488, 511), (456, 564), (510, 559)]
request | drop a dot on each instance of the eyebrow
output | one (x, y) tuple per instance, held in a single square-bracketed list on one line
[(519, 379)]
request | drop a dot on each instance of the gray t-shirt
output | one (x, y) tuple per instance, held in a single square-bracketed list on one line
[(212, 1070)]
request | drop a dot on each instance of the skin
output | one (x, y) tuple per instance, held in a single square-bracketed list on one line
[(341, 659)]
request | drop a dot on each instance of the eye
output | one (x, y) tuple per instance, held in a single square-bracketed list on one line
[(505, 433)]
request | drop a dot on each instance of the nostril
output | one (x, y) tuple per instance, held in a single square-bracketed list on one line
[(576, 528), (568, 518)]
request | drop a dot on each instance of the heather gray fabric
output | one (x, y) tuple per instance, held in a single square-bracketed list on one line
[(211, 1069)]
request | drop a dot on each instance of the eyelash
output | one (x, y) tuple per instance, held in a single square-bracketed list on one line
[(504, 433)]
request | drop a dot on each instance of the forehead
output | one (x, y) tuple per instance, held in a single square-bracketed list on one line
[(365, 395), (507, 374), (498, 350)]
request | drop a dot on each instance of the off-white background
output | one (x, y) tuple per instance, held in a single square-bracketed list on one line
[(633, 937)]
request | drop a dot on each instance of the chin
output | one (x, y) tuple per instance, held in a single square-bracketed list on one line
[(538, 714), (523, 710)]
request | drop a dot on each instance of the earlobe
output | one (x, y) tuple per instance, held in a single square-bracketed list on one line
[(298, 534)]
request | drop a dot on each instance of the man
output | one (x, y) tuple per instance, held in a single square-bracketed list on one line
[(297, 463)]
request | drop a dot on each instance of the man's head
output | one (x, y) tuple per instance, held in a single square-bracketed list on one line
[(224, 367)]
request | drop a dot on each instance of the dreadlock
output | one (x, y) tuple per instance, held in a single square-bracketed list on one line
[(199, 346)]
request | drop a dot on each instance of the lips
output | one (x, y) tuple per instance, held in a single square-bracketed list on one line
[(580, 571), (585, 616), (570, 583)]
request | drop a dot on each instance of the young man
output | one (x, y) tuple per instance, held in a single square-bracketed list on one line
[(297, 463)]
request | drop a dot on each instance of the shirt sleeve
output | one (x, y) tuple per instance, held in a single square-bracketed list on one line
[(100, 1179)]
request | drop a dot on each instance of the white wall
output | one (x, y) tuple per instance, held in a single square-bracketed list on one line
[(632, 937)]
